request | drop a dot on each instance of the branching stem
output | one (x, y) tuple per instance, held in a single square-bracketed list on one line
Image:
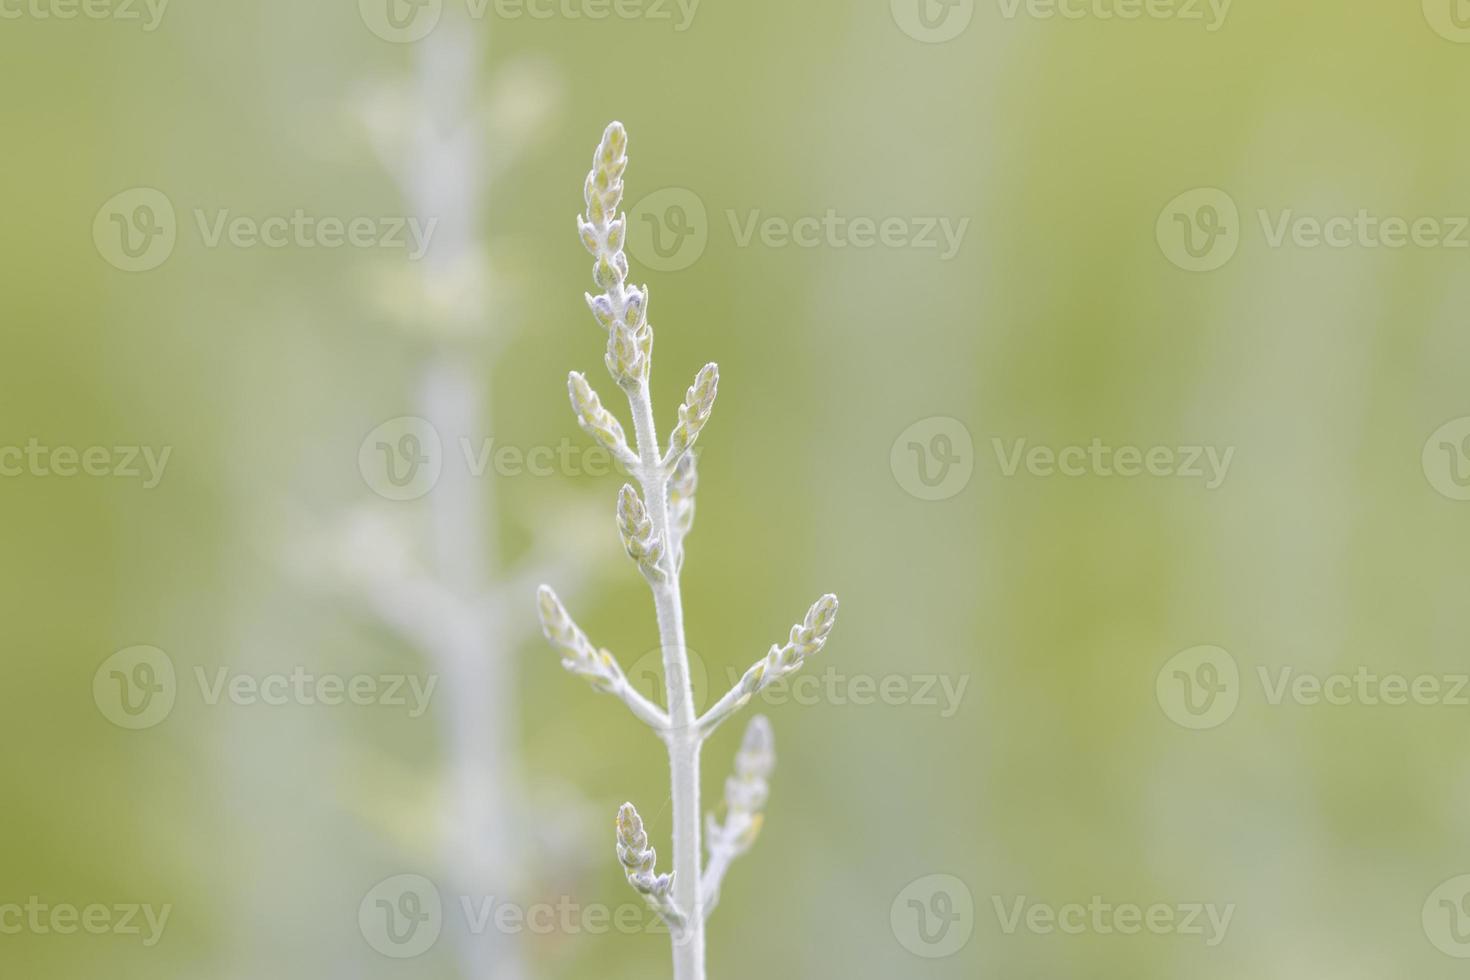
[(682, 736), (652, 530)]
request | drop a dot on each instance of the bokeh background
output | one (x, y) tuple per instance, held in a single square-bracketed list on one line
[(1335, 543)]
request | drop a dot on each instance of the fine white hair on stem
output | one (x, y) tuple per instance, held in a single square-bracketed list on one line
[(653, 524)]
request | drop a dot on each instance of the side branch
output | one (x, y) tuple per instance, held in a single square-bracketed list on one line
[(598, 422), (746, 793), (699, 402), (807, 638), (640, 861), (598, 667)]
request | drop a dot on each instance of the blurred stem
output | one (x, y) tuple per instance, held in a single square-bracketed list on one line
[(445, 177), (482, 719)]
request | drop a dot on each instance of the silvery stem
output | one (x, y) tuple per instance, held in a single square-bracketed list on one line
[(683, 737)]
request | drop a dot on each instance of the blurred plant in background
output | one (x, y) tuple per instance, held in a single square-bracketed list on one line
[(435, 574)]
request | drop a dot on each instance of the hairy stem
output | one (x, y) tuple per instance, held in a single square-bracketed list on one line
[(683, 736)]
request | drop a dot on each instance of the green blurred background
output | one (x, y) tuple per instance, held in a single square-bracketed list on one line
[(1056, 600)]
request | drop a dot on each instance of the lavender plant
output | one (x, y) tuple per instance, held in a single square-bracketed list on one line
[(653, 526)]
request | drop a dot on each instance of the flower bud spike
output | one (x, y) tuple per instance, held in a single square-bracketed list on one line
[(597, 421), (639, 539), (598, 667), (806, 639), (683, 481), (625, 359), (602, 310), (639, 861), (699, 401), (746, 793)]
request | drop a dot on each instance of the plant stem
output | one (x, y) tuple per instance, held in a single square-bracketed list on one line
[(682, 736), (481, 716)]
